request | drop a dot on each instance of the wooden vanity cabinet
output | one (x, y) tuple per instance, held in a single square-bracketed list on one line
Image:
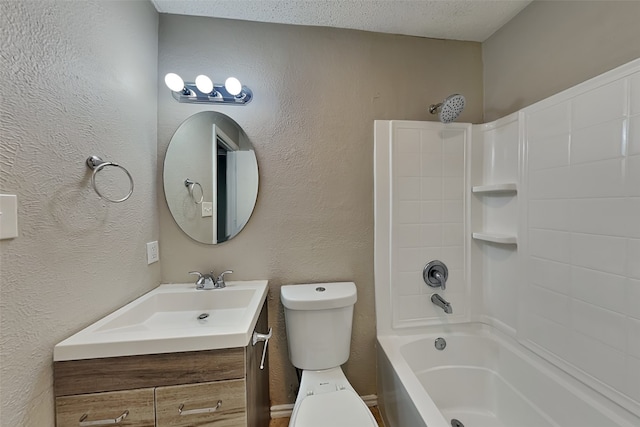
[(167, 390), (136, 407), (201, 397)]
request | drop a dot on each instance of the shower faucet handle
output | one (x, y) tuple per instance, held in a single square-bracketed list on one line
[(435, 274)]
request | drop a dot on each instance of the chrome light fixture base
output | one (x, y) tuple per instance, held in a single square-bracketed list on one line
[(190, 94)]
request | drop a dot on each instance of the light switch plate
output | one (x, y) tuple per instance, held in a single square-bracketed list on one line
[(153, 252), (8, 216), (207, 209)]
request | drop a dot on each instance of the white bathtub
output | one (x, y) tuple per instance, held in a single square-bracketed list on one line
[(482, 378)]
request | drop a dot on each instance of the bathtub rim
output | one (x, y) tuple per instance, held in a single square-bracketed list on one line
[(428, 411), (391, 345)]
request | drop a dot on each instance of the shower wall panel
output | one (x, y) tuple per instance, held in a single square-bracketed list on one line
[(494, 266), (427, 219), (580, 236)]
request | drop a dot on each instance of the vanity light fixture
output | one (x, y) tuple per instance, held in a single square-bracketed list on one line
[(203, 90), (175, 83), (233, 86), (204, 84)]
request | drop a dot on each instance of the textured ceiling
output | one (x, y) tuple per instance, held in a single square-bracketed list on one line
[(472, 20)]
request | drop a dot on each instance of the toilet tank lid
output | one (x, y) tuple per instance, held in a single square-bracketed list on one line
[(318, 296)]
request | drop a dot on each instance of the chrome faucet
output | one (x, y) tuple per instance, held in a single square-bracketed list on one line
[(442, 303), (209, 281), (205, 281)]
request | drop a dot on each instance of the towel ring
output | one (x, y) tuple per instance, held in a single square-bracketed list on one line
[(190, 184), (96, 164)]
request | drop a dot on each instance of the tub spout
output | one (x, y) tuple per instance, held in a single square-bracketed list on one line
[(442, 303)]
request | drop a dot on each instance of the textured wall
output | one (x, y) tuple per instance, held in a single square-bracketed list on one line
[(317, 92), (553, 45), (78, 78)]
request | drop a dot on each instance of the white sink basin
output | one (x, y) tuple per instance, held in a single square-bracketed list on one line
[(172, 318)]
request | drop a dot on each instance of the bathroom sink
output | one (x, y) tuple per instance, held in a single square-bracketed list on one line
[(172, 318)]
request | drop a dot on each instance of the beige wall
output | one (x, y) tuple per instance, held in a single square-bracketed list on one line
[(553, 45), (77, 79), (317, 92)]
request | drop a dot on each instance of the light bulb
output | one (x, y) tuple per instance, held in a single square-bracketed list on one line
[(233, 86), (174, 82), (204, 84)]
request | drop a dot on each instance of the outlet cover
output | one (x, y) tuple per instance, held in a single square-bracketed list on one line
[(207, 209), (153, 252), (8, 216)]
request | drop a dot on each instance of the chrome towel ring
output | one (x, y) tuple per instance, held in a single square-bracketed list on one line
[(96, 164), (190, 184)]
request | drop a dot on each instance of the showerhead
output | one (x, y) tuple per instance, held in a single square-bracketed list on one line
[(450, 108)]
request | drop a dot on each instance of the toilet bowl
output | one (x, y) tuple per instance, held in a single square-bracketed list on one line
[(318, 319)]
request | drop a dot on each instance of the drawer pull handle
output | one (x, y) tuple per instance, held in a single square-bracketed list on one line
[(198, 411), (112, 421)]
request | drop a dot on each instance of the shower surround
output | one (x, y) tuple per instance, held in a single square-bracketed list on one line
[(549, 265)]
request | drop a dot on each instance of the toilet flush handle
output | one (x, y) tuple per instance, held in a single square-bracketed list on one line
[(257, 337)]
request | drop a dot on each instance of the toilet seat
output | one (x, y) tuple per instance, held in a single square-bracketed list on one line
[(340, 408)]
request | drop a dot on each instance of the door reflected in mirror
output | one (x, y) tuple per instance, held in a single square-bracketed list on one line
[(210, 177)]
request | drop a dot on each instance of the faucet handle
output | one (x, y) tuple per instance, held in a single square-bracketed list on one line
[(200, 281), (435, 274), (205, 281), (220, 280)]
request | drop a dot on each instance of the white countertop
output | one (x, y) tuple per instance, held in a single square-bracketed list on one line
[(165, 320)]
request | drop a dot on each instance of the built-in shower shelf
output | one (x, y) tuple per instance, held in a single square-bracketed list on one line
[(505, 239), (510, 187)]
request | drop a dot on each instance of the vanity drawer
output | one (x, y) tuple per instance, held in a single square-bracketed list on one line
[(196, 399), (107, 407)]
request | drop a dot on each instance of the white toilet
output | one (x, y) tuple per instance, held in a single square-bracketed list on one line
[(318, 320)]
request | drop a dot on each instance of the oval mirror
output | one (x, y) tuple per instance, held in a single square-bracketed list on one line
[(210, 177)]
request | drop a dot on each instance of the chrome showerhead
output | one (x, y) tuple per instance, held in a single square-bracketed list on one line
[(450, 108)]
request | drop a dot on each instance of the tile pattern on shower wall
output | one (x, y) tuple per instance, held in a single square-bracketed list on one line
[(581, 301), (428, 165), (499, 214)]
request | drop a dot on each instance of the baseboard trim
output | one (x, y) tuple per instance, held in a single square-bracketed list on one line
[(284, 411), (370, 400), (281, 411)]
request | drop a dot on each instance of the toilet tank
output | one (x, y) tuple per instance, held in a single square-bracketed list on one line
[(318, 320)]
